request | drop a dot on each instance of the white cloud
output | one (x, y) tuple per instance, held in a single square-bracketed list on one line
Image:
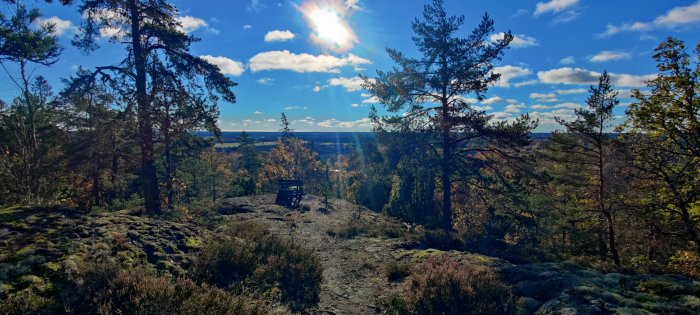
[(266, 81), (549, 117), (569, 106), (190, 23), (511, 109), (364, 123), (551, 97), (256, 5), (553, 6), (607, 55), (306, 120), (508, 73), (226, 65), (567, 60), (371, 100), (350, 84), (101, 15), (519, 40), (352, 4), (629, 80), (525, 83), (571, 91), (566, 17), (502, 116), (493, 100), (247, 26), (257, 112), (285, 60), (60, 26), (296, 108), (569, 75), (678, 16), (484, 108), (279, 36), (624, 93), (317, 89)]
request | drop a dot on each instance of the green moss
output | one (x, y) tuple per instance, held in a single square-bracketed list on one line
[(19, 225), (53, 266), (36, 283), (193, 242), (26, 250), (669, 286), (630, 311), (690, 301), (420, 254), (5, 288)]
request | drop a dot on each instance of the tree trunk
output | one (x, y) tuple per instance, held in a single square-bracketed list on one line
[(446, 171), (32, 177), (170, 190), (114, 172), (601, 200), (96, 187), (149, 178)]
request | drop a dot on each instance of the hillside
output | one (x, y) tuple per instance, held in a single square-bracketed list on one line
[(37, 243)]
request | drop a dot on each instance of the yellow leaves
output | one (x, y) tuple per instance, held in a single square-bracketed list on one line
[(290, 159)]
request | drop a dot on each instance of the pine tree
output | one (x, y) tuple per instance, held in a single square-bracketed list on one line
[(286, 131), (427, 93), (156, 49), (586, 145), (664, 137)]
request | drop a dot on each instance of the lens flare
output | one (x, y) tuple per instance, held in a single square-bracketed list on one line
[(329, 27)]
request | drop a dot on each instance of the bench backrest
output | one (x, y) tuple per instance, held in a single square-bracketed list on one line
[(286, 183)]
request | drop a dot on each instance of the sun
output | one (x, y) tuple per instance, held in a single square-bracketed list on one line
[(329, 28)]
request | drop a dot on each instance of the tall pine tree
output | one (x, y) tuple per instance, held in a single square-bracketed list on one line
[(428, 95), (156, 47)]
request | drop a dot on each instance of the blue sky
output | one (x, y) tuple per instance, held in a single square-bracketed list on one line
[(284, 63)]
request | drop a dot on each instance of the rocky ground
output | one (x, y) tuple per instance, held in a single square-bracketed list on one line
[(35, 242)]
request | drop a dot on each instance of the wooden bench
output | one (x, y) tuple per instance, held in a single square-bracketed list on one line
[(290, 192)]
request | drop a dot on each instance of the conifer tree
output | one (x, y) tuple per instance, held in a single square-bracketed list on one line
[(586, 144), (156, 48), (427, 94)]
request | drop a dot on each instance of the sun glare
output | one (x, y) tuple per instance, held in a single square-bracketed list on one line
[(329, 28)]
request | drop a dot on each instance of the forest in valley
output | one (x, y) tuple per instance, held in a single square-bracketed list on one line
[(122, 142)]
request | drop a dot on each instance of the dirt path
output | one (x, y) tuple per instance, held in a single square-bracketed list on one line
[(353, 269)]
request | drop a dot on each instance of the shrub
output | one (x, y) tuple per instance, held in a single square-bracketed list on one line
[(254, 258), (104, 289), (397, 271), (437, 239), (686, 262), (27, 302), (444, 287)]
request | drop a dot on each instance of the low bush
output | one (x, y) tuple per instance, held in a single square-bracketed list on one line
[(252, 258), (398, 271), (437, 239), (102, 288), (686, 262), (28, 302), (444, 287)]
